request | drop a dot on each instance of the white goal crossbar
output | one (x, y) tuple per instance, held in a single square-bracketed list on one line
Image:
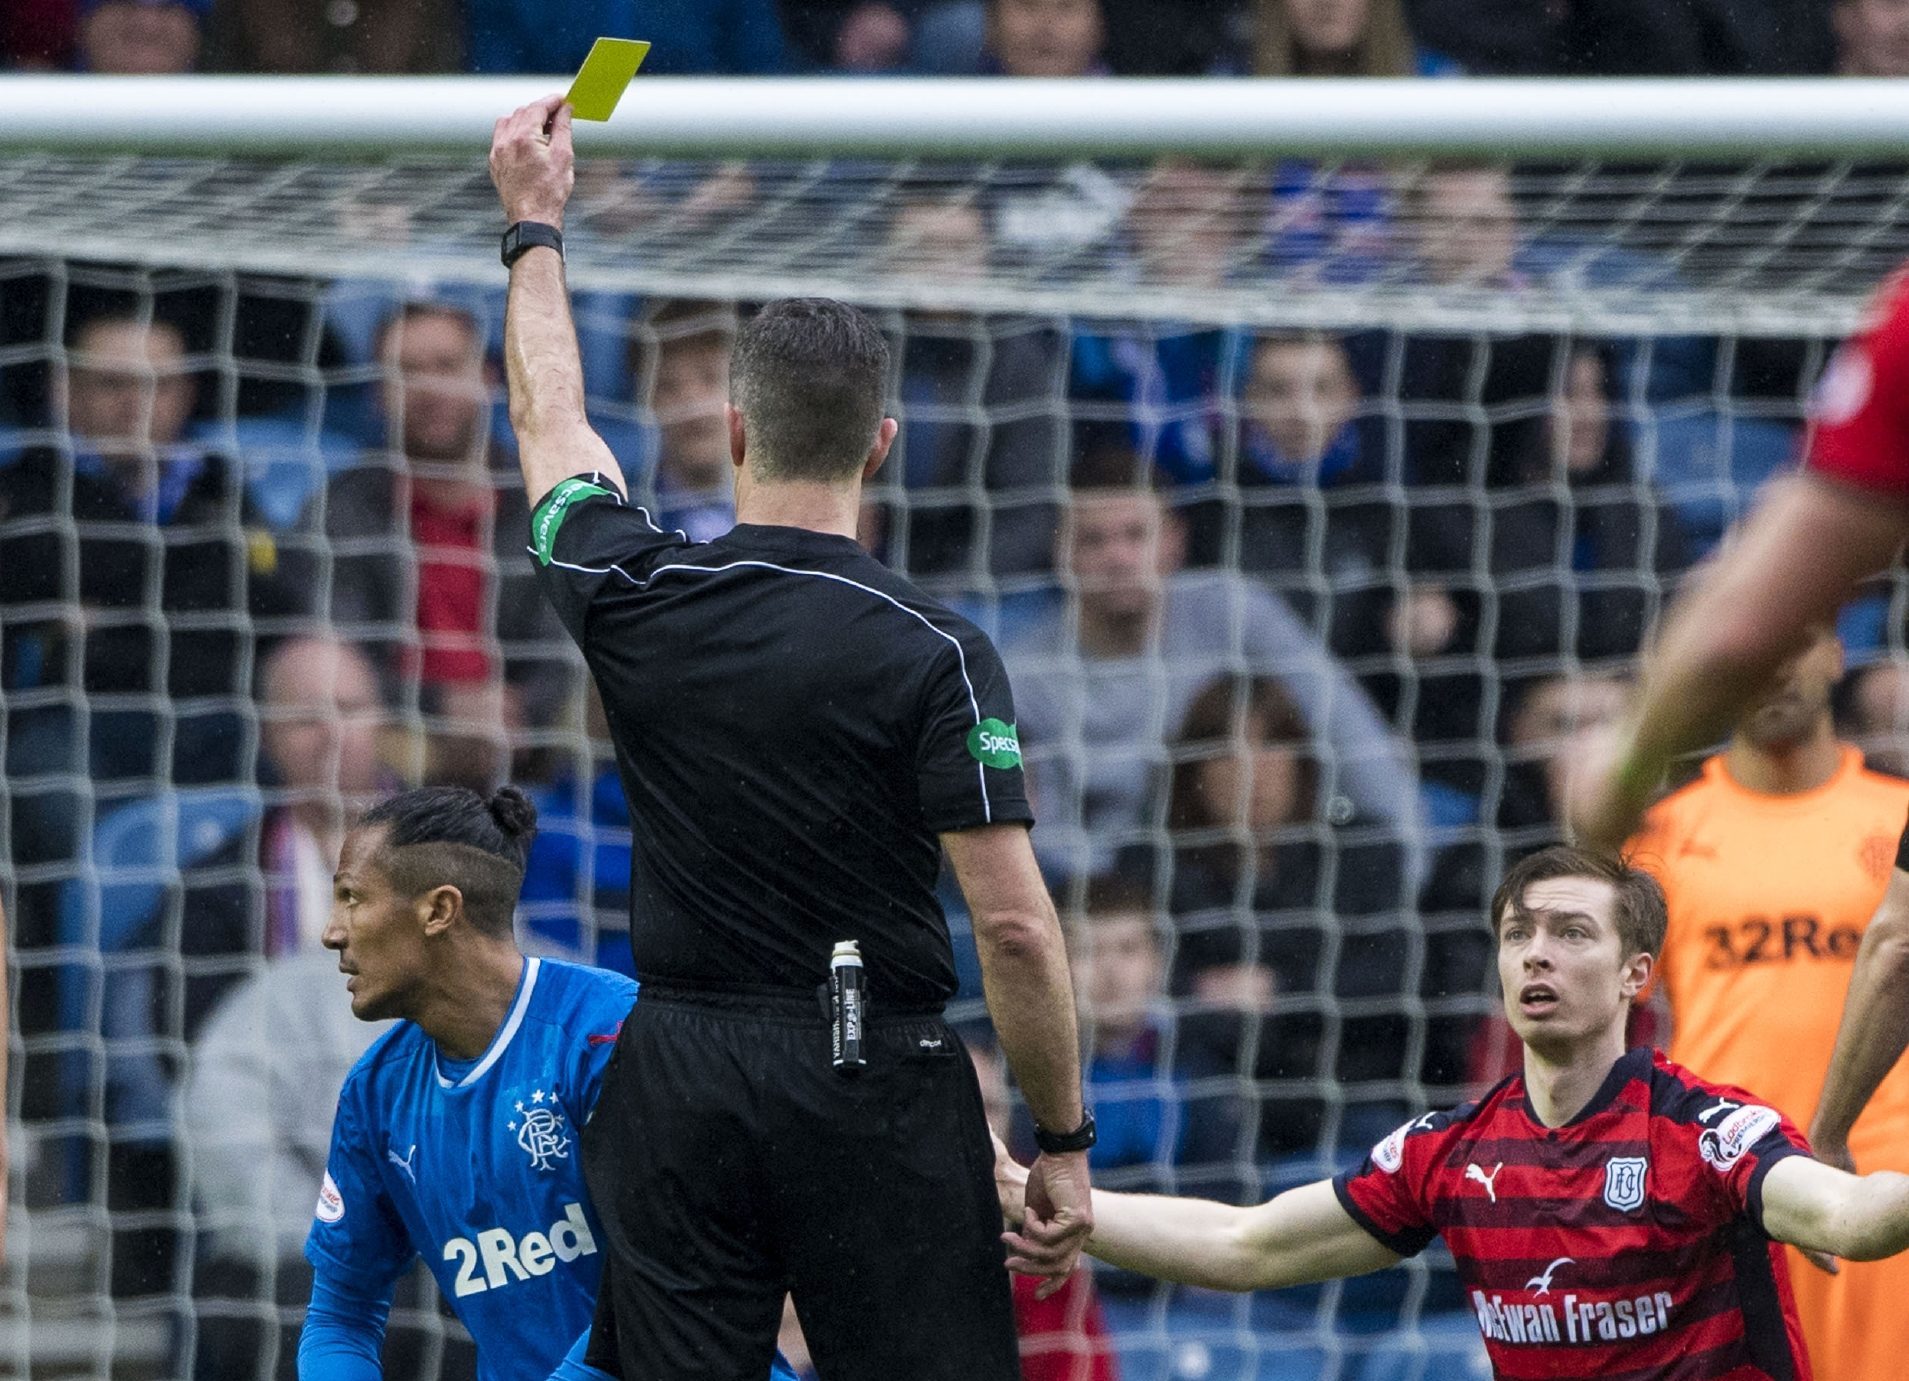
[(1234, 118)]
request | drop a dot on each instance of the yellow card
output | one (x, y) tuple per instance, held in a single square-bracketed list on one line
[(604, 74)]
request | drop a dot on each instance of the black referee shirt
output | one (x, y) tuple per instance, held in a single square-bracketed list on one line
[(794, 725)]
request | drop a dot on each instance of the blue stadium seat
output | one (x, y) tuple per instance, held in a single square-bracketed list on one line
[(1196, 1335), (106, 919), (1439, 1347), (284, 461), (1708, 464)]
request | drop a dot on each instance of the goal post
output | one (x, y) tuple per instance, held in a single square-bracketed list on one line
[(1456, 377)]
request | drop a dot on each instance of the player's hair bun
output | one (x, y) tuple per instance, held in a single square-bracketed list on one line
[(513, 812)]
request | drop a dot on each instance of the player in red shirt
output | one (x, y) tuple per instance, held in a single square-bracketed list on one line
[(1813, 538), (1611, 1214)]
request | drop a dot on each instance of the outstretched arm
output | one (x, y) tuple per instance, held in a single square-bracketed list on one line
[(1820, 1208), (533, 165), (1301, 1237), (1875, 1026), (1809, 544)]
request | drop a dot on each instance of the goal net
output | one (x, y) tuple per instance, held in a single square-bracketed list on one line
[(1319, 496)]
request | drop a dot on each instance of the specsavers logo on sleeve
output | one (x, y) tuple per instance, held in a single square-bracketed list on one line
[(550, 514), (994, 744)]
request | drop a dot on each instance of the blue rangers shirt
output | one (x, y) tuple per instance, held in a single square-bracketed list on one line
[(475, 1166)]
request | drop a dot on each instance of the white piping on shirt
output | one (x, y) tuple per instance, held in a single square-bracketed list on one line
[(961, 658), (511, 1023)]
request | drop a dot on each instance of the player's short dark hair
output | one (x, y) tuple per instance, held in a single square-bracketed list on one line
[(810, 377), (1639, 915), (450, 835)]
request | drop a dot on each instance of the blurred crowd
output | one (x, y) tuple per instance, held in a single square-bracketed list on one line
[(1305, 629), (1045, 38)]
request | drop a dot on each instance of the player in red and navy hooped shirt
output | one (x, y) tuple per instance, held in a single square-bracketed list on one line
[(1612, 1215)]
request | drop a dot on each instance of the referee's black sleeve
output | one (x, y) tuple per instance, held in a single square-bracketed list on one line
[(969, 759), (584, 537)]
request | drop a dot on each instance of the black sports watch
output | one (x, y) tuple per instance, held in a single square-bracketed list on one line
[(527, 235), (1066, 1143)]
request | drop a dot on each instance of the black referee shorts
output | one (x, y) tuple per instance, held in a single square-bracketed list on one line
[(730, 1164)]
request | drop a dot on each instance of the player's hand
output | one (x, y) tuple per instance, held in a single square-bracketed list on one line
[(1010, 1184), (1060, 1215), (532, 161)]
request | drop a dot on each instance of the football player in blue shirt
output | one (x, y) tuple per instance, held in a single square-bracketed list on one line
[(455, 1136)]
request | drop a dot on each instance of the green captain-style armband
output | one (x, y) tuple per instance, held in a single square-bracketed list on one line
[(547, 521)]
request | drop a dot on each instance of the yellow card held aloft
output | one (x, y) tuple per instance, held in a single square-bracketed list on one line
[(604, 74)]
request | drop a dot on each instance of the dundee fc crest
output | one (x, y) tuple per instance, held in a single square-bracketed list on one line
[(541, 1131), (1624, 1182)]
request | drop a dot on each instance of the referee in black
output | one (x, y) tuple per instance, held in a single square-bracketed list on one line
[(800, 734)]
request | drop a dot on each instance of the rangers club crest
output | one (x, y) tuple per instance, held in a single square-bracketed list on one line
[(540, 1129), (1624, 1182)]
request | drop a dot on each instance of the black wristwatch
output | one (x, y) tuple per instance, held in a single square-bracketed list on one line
[(527, 235), (1066, 1143)]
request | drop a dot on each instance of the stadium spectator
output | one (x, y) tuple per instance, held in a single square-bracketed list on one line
[(982, 442), (1464, 231), (730, 37), (365, 36), (1630, 37), (1280, 917), (1876, 715), (265, 1075), (1578, 546), (320, 718), (247, 888), (1773, 862), (689, 398), (1554, 724), (1158, 1127), (1102, 679), (139, 578), (426, 554), (147, 38), (1339, 38), (1046, 38), (1307, 462), (1471, 436), (853, 35), (1872, 38), (38, 34), (1164, 387)]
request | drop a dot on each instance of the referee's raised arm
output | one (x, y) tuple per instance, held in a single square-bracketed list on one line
[(534, 166)]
